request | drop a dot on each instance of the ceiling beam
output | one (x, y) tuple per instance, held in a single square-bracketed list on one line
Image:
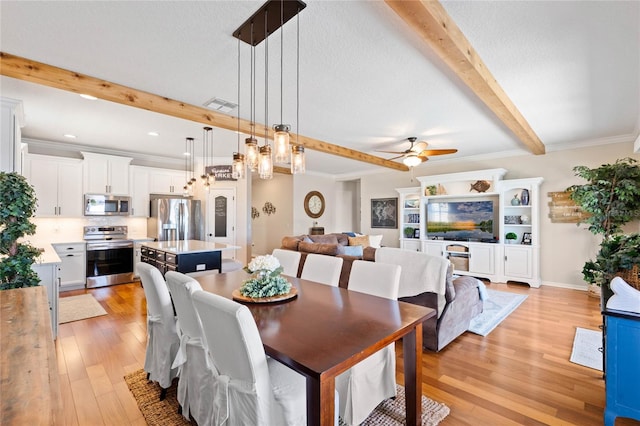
[(430, 21), (48, 75)]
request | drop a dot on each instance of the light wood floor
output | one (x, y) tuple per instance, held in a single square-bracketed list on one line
[(518, 375)]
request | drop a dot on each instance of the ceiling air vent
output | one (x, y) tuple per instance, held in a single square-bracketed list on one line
[(221, 105)]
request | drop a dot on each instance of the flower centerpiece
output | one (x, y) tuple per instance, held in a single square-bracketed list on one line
[(266, 280)]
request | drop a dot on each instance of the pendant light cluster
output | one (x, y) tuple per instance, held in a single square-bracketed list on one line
[(271, 16), (208, 176), (189, 176)]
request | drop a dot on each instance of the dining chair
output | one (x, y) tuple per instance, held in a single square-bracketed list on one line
[(197, 376), (162, 335), (372, 380), (289, 260), (251, 389), (322, 269)]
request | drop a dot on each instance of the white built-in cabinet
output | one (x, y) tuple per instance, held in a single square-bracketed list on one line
[(72, 269), (516, 210), (58, 184), (106, 174), (166, 181)]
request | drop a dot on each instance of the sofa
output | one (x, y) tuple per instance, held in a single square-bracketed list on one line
[(334, 244), (425, 280)]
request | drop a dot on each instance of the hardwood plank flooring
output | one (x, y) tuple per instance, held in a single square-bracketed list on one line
[(519, 374)]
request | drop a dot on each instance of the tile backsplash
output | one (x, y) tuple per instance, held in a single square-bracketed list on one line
[(66, 230)]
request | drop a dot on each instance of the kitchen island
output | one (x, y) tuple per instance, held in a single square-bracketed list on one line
[(185, 255)]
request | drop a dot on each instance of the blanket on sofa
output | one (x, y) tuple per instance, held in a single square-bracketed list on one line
[(420, 272)]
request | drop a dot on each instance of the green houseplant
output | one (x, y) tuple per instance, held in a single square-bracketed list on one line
[(511, 237), (408, 232), (17, 205), (611, 197)]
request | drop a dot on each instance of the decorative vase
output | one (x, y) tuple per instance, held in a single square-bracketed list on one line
[(515, 201), (524, 197)]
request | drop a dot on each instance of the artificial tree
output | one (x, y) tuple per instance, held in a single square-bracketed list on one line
[(17, 205), (611, 198)]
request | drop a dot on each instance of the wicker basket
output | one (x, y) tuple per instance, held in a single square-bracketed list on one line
[(631, 276)]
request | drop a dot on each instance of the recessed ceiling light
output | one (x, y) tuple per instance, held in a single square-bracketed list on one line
[(89, 97), (153, 134), (186, 154), (70, 136)]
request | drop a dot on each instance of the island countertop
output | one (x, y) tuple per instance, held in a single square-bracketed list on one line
[(188, 246)]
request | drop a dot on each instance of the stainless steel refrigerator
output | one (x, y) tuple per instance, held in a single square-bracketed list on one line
[(175, 218)]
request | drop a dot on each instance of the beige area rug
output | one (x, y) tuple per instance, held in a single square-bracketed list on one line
[(74, 308), (163, 413)]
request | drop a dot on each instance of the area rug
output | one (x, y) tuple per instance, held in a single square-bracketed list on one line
[(587, 348), (163, 413), (498, 306), (74, 308)]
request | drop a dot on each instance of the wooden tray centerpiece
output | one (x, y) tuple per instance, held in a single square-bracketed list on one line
[(266, 285)]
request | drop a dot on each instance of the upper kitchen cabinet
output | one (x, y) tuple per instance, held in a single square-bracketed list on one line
[(106, 174), (58, 184), (166, 181)]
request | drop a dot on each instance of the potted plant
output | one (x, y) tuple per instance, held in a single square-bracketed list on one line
[(511, 237), (408, 232), (611, 197), (17, 205)]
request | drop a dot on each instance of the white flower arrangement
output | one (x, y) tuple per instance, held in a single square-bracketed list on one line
[(266, 280)]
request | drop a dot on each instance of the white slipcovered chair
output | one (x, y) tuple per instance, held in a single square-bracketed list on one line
[(322, 269), (197, 376), (372, 380), (162, 335), (289, 260), (251, 389)]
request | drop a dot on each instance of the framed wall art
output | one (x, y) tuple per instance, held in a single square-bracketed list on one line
[(384, 213)]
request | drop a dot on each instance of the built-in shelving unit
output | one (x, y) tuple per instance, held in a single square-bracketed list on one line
[(483, 251)]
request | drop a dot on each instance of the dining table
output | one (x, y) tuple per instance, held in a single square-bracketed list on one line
[(325, 330)]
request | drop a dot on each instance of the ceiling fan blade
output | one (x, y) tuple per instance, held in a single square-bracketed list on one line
[(430, 152), (391, 152)]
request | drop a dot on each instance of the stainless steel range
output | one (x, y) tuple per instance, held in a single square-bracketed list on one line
[(109, 256)]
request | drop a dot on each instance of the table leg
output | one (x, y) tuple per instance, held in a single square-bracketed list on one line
[(320, 401), (412, 351)]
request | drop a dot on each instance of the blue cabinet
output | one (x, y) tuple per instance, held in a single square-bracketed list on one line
[(622, 338)]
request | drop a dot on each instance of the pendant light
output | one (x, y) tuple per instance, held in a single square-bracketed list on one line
[(265, 161), (281, 135), (207, 177), (251, 143), (298, 161), (189, 169), (187, 177), (237, 168)]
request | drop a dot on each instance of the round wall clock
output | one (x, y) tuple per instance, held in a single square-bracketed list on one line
[(314, 204)]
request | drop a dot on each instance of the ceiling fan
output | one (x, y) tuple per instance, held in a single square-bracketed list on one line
[(417, 152)]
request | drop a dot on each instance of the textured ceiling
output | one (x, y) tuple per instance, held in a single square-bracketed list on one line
[(366, 81)]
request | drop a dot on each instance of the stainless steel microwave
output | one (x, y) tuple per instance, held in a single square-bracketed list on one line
[(106, 205)]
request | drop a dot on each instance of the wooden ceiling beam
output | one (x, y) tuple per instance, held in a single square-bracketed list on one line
[(48, 75), (430, 21)]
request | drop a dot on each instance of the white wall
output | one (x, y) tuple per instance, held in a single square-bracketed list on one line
[(564, 246), (268, 230), (347, 212), (302, 184)]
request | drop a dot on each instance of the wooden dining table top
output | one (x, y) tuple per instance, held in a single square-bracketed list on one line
[(324, 326)]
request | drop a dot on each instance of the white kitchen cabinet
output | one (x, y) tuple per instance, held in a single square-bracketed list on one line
[(72, 269), (139, 182), (48, 274), (58, 184), (106, 174), (166, 181)]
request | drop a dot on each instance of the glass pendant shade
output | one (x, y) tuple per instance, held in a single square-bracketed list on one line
[(237, 169), (281, 142), (265, 163), (251, 153), (412, 160), (297, 159)]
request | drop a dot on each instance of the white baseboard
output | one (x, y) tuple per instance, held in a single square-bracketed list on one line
[(581, 287)]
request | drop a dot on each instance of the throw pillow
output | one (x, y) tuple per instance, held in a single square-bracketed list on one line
[(350, 234), (375, 240), (362, 240), (356, 251), (290, 243), (324, 239), (318, 248)]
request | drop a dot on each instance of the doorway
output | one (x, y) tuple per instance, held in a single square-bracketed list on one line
[(221, 218)]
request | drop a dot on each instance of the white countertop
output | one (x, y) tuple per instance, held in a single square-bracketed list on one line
[(48, 256), (188, 246)]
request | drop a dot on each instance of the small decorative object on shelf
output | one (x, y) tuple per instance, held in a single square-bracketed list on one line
[(512, 220), (480, 186), (416, 233), (511, 237), (269, 208), (524, 197), (524, 219), (526, 238), (408, 232), (431, 190), (266, 281), (515, 201)]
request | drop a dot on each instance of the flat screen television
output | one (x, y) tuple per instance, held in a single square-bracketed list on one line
[(463, 220)]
